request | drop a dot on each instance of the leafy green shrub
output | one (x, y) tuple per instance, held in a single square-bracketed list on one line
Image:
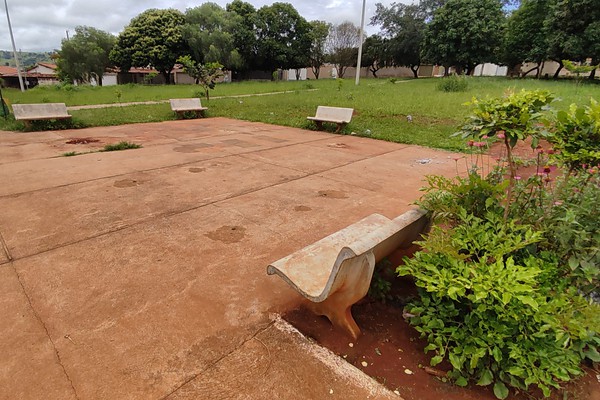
[(503, 285), (487, 305), (576, 136), (453, 84), (121, 146)]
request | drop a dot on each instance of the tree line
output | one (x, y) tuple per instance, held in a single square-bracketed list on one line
[(465, 33), (242, 38)]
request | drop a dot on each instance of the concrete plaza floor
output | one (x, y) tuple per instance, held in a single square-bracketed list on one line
[(141, 274)]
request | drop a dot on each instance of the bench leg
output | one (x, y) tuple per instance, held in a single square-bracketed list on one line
[(355, 278), (340, 127), (319, 125)]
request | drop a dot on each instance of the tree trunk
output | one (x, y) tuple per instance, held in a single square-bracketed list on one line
[(446, 70), (99, 80), (316, 71), (536, 68), (167, 76), (560, 67), (298, 73), (415, 71), (374, 71), (592, 75)]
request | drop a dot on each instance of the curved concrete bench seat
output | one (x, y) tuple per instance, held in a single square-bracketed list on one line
[(335, 272), (42, 111), (336, 115), (181, 106)]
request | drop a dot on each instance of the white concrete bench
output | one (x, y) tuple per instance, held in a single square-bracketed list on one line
[(336, 115), (43, 111), (335, 272), (181, 106)]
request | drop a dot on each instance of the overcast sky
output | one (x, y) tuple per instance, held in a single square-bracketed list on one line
[(41, 25)]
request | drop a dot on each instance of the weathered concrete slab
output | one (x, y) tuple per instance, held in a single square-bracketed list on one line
[(127, 199), (257, 370), (30, 368), (145, 304), (139, 296), (399, 172)]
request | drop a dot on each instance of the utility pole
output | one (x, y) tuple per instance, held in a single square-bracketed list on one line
[(12, 38), (360, 45)]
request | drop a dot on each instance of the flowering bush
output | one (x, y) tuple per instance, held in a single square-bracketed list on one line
[(506, 287)]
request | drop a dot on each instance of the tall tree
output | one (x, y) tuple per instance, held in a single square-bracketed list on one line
[(208, 32), (244, 31), (526, 38), (404, 25), (464, 33), (318, 35), (376, 54), (85, 56), (283, 37), (573, 28), (342, 46), (153, 38)]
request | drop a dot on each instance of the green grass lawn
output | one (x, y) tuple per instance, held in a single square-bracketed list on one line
[(381, 106)]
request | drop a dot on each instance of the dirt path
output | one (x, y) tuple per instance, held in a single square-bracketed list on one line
[(137, 103)]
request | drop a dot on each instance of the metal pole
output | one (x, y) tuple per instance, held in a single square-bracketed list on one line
[(12, 38), (360, 45)]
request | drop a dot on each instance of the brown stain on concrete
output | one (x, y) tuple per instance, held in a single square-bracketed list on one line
[(333, 194), (125, 183), (302, 208), (196, 170), (228, 234)]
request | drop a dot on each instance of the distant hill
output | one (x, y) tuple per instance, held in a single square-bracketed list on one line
[(26, 58)]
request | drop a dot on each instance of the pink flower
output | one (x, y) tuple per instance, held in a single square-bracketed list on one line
[(456, 158), (501, 134), (470, 143), (485, 137), (558, 203), (550, 151), (518, 178)]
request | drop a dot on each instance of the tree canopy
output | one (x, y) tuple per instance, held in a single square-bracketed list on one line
[(208, 32), (318, 39), (404, 25), (153, 38), (85, 56), (464, 33), (342, 46), (283, 38)]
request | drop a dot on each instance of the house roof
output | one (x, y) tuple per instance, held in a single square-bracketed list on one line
[(47, 65), (7, 70)]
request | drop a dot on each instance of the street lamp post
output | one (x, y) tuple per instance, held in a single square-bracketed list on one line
[(12, 38), (360, 44)]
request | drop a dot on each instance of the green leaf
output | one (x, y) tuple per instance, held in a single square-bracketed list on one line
[(592, 354), (486, 378), (497, 354), (500, 390), (461, 381), (529, 301), (436, 360), (455, 361)]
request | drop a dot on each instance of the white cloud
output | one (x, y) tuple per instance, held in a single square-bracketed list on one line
[(41, 25)]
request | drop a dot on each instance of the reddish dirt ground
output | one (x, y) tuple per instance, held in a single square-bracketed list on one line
[(393, 351)]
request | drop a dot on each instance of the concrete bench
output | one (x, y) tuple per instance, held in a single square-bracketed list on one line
[(335, 272), (336, 115), (181, 106), (43, 111)]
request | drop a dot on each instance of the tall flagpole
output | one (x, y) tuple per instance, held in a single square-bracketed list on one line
[(360, 45), (12, 38)]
